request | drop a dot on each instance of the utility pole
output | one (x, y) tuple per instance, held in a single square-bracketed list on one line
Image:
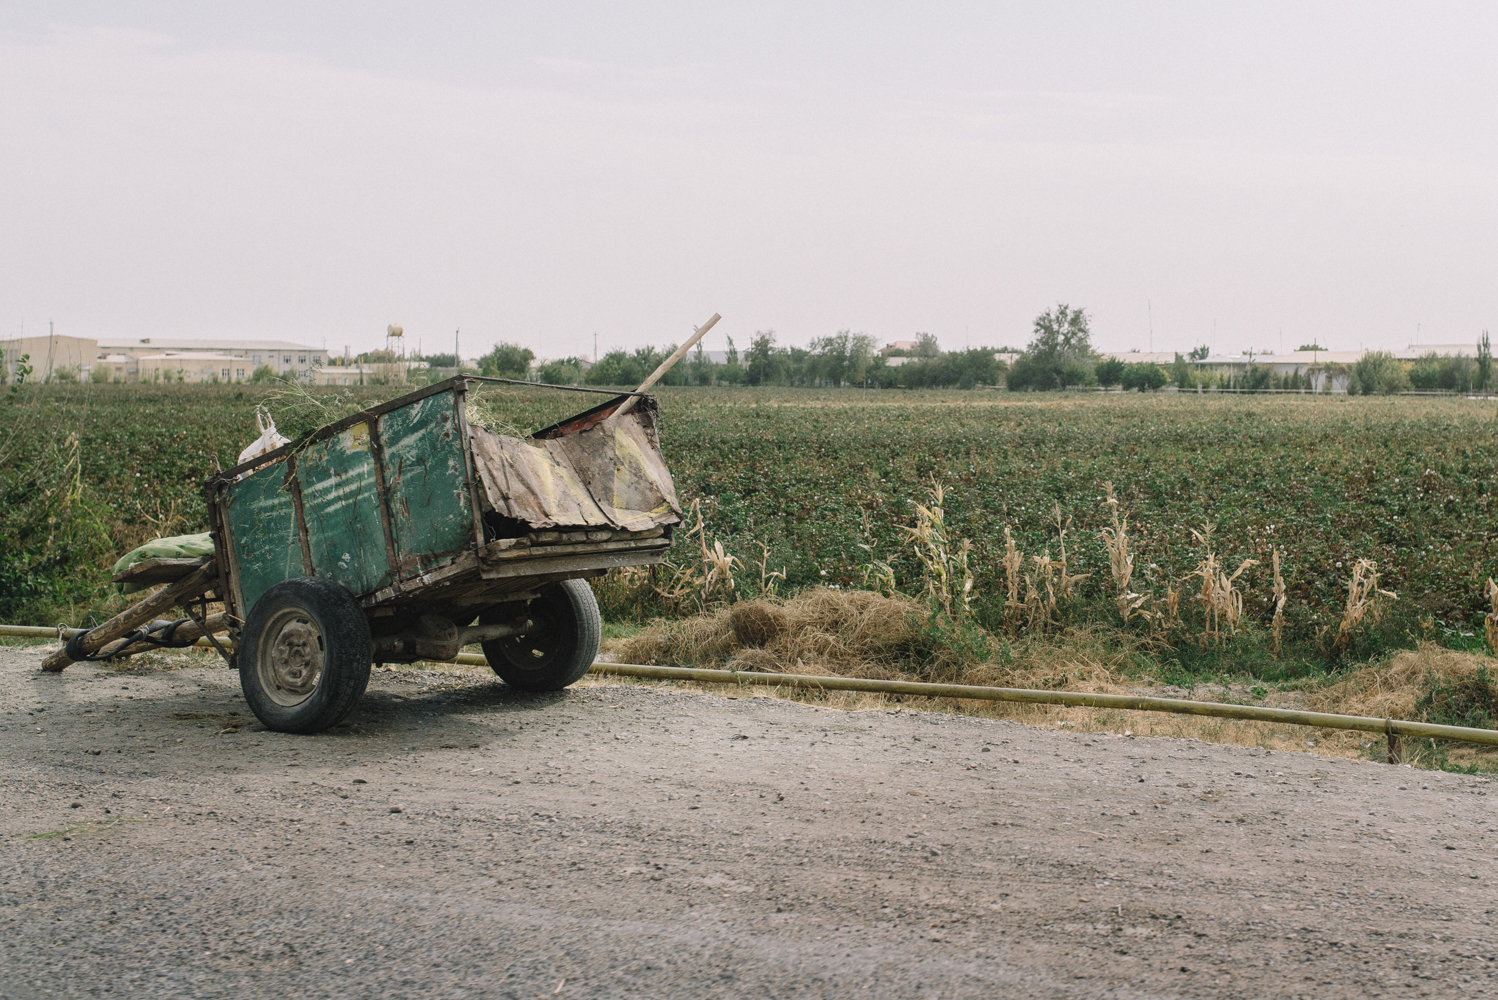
[(457, 356), (1150, 308), (595, 347)]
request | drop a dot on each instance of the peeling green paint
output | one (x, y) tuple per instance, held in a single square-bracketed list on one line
[(342, 506), (262, 523), (422, 452)]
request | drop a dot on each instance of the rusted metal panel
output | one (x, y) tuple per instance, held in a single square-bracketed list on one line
[(608, 474), (263, 532), (341, 502), (424, 471), (523, 481)]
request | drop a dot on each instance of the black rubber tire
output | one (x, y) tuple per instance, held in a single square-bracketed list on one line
[(296, 627), (561, 645)]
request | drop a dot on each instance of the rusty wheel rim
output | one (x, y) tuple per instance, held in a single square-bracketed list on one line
[(291, 657)]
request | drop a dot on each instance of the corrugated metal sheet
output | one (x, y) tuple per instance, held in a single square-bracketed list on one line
[(611, 475)]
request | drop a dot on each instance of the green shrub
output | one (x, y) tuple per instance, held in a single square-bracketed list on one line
[(1434, 372), (1377, 372), (508, 361), (56, 531), (565, 371), (1143, 376)]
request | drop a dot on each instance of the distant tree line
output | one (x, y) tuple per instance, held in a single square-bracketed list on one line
[(1059, 356)]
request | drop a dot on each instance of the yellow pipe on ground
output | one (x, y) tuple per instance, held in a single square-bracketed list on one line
[(1391, 728)]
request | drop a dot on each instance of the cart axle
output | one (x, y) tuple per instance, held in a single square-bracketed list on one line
[(436, 638)]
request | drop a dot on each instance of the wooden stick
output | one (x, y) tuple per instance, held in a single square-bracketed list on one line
[(680, 352), (136, 615)]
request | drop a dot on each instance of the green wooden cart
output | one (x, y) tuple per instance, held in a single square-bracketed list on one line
[(405, 532)]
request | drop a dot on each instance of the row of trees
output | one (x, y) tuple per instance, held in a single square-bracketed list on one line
[(843, 358), (1059, 355)]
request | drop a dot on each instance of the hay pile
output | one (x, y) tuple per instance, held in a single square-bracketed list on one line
[(855, 633), (1391, 691), (847, 632)]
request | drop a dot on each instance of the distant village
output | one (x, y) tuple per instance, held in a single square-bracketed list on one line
[(55, 358), (58, 358)]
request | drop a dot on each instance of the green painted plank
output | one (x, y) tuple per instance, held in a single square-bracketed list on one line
[(429, 500), (342, 506), (262, 525)]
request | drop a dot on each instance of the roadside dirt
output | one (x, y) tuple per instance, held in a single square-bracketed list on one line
[(460, 840)]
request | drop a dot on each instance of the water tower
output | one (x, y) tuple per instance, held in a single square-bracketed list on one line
[(395, 344)]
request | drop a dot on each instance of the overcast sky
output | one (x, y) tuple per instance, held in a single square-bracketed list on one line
[(1275, 173)]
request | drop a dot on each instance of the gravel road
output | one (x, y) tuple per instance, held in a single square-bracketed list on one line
[(457, 839)]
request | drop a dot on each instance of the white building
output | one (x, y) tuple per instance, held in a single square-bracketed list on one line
[(1162, 358), (1417, 351), (48, 357), (1328, 371), (192, 366), (283, 356)]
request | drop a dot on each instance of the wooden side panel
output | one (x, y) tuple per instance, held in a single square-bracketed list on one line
[(430, 511), (262, 528), (341, 502)]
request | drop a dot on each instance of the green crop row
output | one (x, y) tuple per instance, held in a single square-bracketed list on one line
[(815, 474)]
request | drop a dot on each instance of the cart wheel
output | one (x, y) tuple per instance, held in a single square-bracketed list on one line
[(304, 656), (560, 646)]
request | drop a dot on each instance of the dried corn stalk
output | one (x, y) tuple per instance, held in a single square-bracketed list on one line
[(1279, 602), (1164, 615), (719, 576), (770, 581), (1066, 582), (1490, 623), (1222, 601), (1362, 597), (878, 575), (709, 580), (1120, 559), (949, 577), (1013, 564)]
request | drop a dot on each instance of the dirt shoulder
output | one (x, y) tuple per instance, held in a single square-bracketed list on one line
[(459, 839)]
